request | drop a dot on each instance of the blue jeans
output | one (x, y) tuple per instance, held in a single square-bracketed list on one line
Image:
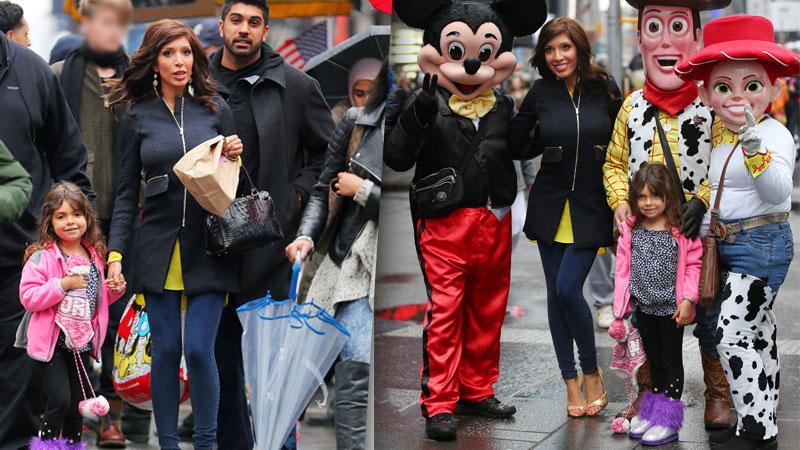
[(764, 252), (565, 271), (356, 316), (202, 319)]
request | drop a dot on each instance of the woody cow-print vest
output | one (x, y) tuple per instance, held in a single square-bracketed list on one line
[(694, 142)]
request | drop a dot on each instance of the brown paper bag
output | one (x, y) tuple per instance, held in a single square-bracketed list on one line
[(209, 176)]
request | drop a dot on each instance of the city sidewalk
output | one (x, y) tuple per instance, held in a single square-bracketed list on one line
[(529, 376)]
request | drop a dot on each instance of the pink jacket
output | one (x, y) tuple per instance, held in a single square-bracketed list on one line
[(690, 254), (40, 293)]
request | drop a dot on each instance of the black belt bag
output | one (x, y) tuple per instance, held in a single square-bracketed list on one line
[(440, 193)]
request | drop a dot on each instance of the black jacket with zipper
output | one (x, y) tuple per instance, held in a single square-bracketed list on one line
[(444, 143), (366, 163), (150, 143), (39, 130), (573, 150), (293, 125)]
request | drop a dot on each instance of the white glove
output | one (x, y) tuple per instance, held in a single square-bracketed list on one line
[(748, 134)]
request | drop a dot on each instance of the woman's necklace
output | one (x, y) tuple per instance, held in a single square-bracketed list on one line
[(180, 125), (183, 143)]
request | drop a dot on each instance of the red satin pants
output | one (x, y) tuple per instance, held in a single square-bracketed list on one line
[(466, 261)]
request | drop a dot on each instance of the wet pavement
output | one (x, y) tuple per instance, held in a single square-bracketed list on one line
[(529, 376), (313, 435)]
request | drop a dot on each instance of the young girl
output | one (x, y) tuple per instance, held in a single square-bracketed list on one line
[(658, 269), (64, 288)]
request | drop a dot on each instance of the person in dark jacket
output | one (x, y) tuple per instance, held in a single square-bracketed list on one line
[(463, 237), (567, 119), (15, 186), (38, 129), (284, 124), (84, 76), (344, 281), (170, 106)]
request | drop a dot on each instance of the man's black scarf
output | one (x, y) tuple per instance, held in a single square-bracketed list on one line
[(75, 65)]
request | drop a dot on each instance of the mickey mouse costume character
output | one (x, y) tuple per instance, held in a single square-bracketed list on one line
[(669, 108), (454, 129), (755, 154)]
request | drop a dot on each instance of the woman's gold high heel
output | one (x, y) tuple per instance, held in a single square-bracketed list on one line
[(576, 411), (601, 402)]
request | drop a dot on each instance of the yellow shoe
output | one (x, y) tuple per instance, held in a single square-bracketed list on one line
[(601, 402), (576, 411)]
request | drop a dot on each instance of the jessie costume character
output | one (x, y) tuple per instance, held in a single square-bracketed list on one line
[(669, 33), (454, 130), (740, 66)]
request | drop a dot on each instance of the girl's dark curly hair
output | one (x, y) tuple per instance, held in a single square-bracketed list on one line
[(61, 192)]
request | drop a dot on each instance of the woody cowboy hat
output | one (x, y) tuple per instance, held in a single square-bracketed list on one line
[(698, 5), (739, 38)]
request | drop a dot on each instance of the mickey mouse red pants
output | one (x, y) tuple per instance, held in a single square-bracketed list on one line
[(466, 261)]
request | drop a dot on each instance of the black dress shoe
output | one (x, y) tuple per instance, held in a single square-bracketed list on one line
[(490, 407), (441, 427), (740, 443), (718, 437)]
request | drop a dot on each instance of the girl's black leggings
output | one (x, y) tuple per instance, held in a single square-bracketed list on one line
[(61, 394), (663, 344)]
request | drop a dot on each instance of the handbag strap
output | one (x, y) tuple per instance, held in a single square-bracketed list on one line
[(667, 151), (721, 185), (253, 189)]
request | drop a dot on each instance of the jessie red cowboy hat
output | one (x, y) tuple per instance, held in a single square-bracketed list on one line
[(698, 5), (739, 38)]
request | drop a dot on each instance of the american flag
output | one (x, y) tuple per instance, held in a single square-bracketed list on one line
[(296, 51)]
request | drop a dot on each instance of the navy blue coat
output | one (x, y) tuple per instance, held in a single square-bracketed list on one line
[(150, 143)]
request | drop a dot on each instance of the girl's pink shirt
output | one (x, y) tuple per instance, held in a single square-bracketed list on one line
[(690, 259), (40, 293)]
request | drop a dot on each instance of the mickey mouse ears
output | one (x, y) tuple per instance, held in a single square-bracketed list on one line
[(699, 5), (523, 17), (739, 38)]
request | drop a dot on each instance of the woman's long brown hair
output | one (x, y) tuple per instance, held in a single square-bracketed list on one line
[(592, 75), (136, 84), (61, 192), (657, 178)]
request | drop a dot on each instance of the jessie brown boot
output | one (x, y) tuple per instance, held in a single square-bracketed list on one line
[(643, 380), (718, 405), (109, 430)]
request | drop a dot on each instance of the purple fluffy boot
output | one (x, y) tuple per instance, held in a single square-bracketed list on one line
[(643, 418), (666, 418), (48, 444), (646, 405)]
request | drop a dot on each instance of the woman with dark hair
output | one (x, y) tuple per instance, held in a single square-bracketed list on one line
[(170, 106), (344, 280), (567, 119)]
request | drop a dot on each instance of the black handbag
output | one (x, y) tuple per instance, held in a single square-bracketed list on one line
[(440, 193), (249, 222)]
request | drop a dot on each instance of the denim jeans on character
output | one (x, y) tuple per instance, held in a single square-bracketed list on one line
[(356, 316), (200, 331), (568, 314), (764, 252)]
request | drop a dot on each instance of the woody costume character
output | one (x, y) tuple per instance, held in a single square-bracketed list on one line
[(754, 155), (454, 130), (669, 33)]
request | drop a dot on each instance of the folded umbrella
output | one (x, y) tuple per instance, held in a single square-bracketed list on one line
[(287, 348)]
